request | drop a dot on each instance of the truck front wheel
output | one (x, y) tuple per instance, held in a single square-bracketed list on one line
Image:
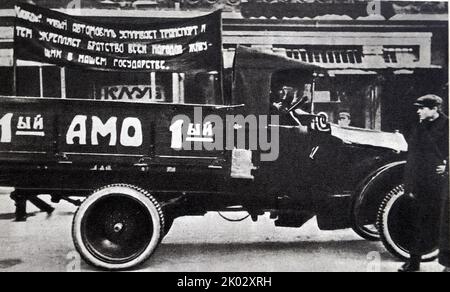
[(118, 227), (394, 219)]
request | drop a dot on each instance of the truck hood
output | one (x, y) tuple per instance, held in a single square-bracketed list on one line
[(352, 135)]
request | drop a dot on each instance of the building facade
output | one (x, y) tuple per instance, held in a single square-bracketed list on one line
[(377, 56)]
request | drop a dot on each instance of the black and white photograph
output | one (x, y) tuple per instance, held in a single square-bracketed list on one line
[(251, 137)]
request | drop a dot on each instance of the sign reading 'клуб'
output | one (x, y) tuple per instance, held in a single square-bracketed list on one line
[(48, 36)]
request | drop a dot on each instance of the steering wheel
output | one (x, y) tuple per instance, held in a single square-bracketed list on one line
[(299, 103)]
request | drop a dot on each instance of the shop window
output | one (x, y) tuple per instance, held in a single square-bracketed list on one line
[(51, 82), (401, 54), (80, 83), (119, 86), (28, 83), (7, 79), (37, 81), (144, 87), (203, 88)]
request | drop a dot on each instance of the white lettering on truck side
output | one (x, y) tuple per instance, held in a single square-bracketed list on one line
[(131, 140), (104, 130), (177, 134), (131, 134), (5, 128), (79, 122)]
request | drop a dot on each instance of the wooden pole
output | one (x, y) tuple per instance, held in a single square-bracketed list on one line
[(221, 71), (176, 88), (63, 82), (14, 64), (313, 89), (153, 84), (41, 81), (14, 85)]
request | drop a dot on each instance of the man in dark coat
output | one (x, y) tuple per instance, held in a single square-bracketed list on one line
[(426, 182), (444, 242)]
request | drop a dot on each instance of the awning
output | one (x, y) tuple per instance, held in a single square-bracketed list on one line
[(249, 58)]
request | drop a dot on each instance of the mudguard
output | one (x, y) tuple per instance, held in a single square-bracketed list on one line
[(369, 195)]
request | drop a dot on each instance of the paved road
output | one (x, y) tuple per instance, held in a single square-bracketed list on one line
[(197, 244)]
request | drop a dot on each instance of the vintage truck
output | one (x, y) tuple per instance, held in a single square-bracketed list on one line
[(137, 167)]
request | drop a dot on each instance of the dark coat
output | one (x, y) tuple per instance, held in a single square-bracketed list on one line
[(444, 242), (428, 148)]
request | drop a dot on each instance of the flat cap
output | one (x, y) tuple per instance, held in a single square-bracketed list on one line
[(429, 100), (344, 115)]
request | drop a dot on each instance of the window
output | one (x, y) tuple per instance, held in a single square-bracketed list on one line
[(400, 54), (325, 54), (51, 81), (28, 81), (142, 87), (120, 86), (288, 89), (145, 87), (6, 77), (38, 81), (203, 88), (80, 84)]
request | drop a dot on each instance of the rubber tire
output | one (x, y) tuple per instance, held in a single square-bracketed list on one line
[(365, 234), (361, 230), (358, 201), (128, 190), (386, 237)]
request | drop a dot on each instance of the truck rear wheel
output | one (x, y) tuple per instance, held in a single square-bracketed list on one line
[(394, 226), (118, 227)]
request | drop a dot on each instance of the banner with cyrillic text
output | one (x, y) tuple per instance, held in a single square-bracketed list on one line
[(129, 44)]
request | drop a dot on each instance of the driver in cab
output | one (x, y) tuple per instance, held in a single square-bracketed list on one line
[(288, 104)]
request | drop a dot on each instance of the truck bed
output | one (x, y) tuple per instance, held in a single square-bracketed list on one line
[(46, 134)]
